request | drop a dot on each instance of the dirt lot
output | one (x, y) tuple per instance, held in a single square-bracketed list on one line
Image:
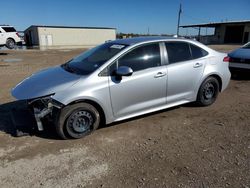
[(185, 146)]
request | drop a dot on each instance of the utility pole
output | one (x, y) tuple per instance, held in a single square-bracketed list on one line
[(179, 17)]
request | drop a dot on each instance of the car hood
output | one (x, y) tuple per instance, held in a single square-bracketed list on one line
[(242, 53), (44, 83)]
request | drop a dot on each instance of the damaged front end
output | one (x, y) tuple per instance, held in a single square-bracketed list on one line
[(44, 107)]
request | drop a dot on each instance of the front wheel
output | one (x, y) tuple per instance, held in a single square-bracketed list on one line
[(77, 120), (10, 43), (208, 92)]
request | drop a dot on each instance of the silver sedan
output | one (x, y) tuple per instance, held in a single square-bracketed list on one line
[(122, 79)]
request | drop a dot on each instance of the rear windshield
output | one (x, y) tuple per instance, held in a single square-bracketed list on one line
[(9, 29), (92, 59)]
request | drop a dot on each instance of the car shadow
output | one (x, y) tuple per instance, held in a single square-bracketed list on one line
[(17, 120), (3, 53)]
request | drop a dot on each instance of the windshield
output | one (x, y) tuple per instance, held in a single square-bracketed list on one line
[(92, 59), (247, 45)]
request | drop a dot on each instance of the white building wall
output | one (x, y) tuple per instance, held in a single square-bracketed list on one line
[(74, 37)]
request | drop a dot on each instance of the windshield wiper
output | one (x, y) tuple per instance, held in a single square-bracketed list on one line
[(68, 68)]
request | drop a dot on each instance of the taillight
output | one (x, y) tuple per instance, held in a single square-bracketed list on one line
[(226, 59), (18, 34)]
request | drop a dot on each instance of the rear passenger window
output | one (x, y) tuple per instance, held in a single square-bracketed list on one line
[(197, 52), (9, 29), (178, 51), (142, 57)]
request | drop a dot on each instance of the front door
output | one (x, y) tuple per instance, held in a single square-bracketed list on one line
[(145, 88)]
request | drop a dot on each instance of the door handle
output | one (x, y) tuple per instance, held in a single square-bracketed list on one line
[(196, 65), (160, 74)]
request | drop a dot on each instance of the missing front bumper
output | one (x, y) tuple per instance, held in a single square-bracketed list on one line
[(44, 107)]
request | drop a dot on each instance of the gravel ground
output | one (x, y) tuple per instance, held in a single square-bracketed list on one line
[(186, 146)]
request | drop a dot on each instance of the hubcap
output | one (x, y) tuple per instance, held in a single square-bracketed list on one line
[(209, 91), (80, 121), (11, 44)]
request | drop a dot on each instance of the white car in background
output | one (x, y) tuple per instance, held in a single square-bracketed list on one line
[(9, 37)]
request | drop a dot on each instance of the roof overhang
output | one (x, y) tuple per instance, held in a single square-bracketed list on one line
[(215, 24)]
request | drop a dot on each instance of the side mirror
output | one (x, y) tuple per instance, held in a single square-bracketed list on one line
[(124, 71)]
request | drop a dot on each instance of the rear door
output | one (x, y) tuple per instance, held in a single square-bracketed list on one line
[(10, 32), (145, 88), (185, 70)]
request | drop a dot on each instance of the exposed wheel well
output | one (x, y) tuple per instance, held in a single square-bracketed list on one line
[(96, 105)]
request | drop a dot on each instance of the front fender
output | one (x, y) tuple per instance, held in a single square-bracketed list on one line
[(97, 92)]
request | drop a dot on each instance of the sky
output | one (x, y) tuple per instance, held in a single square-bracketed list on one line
[(127, 16)]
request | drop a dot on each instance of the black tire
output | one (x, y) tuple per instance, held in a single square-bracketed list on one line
[(77, 120), (208, 92), (10, 43)]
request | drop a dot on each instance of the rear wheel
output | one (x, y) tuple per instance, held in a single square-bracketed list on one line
[(208, 92), (10, 43), (77, 120)]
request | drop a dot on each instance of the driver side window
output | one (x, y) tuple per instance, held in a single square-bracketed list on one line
[(141, 58)]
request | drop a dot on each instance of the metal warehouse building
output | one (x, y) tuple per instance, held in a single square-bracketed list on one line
[(224, 32), (67, 37)]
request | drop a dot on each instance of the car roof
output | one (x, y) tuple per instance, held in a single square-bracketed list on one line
[(136, 40), (6, 26), (140, 40)]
